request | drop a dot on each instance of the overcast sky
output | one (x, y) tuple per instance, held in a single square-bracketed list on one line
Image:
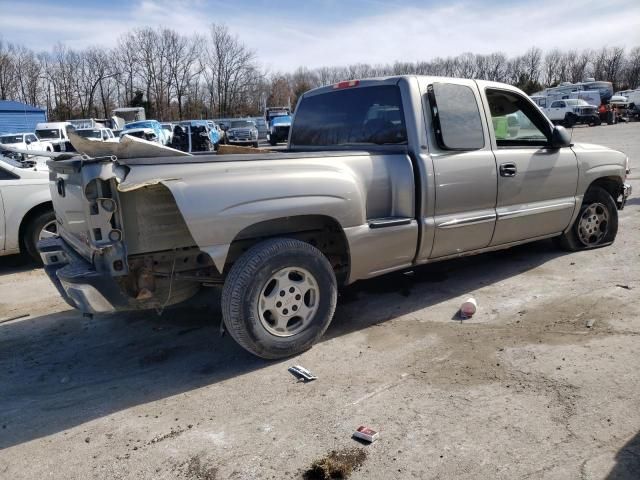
[(286, 34)]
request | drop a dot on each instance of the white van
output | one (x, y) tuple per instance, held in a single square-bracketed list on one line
[(56, 134)]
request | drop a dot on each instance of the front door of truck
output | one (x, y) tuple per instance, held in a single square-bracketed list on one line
[(536, 184), (464, 168)]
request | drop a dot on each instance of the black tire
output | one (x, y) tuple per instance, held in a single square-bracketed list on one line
[(31, 233), (251, 275), (273, 141), (571, 240), (569, 120), (255, 145)]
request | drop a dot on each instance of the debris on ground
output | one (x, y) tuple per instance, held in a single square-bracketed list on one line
[(590, 322), (302, 373), (468, 308), (626, 287), (365, 433), (336, 465)]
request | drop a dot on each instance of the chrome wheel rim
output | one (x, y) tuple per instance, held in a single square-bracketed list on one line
[(288, 301), (593, 225), (49, 230)]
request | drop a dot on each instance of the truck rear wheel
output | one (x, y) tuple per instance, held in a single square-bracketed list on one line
[(596, 224), (279, 298), (39, 227)]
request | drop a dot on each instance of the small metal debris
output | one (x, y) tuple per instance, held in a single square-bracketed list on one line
[(302, 373), (626, 287), (365, 433), (590, 322)]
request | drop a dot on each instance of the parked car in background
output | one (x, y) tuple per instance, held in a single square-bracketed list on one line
[(97, 134), (214, 126), (380, 175), (26, 211), (168, 128), (279, 130), (242, 132), (263, 128), (195, 136), (148, 134), (25, 141), (572, 111), (161, 134), (56, 134)]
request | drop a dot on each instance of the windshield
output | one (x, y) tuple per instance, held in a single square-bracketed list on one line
[(369, 115), (281, 120), (48, 133), (166, 127), (90, 133), (242, 124), (11, 139)]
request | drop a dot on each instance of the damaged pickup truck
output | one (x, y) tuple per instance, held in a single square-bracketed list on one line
[(380, 175)]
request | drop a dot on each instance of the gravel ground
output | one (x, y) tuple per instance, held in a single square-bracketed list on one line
[(523, 390)]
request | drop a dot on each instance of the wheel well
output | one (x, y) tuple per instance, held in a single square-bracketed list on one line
[(34, 212), (323, 232), (610, 184)]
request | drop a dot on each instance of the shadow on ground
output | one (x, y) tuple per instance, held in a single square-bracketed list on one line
[(60, 370), (627, 461)]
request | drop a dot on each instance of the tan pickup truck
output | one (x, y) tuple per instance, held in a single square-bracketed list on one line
[(379, 175)]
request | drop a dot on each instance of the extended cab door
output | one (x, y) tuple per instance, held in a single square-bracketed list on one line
[(536, 183), (464, 167)]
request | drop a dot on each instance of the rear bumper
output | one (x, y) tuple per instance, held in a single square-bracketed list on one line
[(77, 280), (624, 195)]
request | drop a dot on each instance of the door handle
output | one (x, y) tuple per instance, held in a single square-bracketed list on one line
[(508, 170)]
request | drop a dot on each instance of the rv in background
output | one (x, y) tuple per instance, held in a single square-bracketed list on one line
[(566, 89)]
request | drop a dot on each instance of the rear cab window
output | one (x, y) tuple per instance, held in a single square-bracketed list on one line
[(351, 117)]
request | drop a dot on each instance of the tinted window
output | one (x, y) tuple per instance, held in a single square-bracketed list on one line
[(367, 115), (456, 117), (48, 134), (11, 139), (32, 138), (515, 121)]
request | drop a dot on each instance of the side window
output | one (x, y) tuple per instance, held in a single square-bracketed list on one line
[(555, 105), (516, 122), (456, 117), (32, 138)]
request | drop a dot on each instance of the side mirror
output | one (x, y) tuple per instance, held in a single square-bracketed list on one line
[(560, 137), (27, 141)]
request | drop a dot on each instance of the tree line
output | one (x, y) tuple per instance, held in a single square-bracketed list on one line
[(177, 76)]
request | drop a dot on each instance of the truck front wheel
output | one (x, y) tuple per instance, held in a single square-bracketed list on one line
[(279, 298), (596, 224)]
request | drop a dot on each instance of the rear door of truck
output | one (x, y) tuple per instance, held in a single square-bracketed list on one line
[(463, 164)]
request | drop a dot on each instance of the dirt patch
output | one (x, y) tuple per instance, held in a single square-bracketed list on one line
[(336, 465), (197, 470)]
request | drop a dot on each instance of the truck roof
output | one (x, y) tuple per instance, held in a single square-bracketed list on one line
[(395, 79)]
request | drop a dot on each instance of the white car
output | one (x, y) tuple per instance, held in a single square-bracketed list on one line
[(26, 211), (144, 133), (97, 134), (25, 141)]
